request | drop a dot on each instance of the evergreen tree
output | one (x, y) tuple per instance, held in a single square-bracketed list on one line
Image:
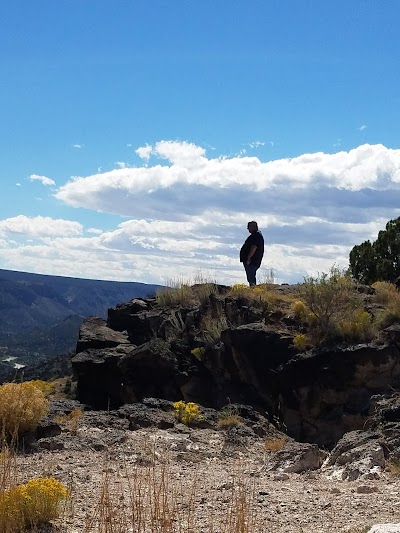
[(379, 261)]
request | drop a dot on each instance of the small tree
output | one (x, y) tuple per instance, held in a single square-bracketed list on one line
[(380, 260), (330, 297)]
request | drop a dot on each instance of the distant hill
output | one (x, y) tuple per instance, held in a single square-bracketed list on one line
[(40, 315)]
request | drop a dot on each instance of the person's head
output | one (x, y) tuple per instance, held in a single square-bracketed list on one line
[(252, 226)]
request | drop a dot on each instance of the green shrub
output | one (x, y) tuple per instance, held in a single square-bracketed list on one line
[(358, 327), (330, 298), (22, 405)]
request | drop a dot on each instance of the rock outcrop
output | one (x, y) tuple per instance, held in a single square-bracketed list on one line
[(175, 353)]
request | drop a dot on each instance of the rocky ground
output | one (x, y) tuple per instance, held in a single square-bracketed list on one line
[(138, 470)]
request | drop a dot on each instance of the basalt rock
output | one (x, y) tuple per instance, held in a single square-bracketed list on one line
[(147, 351)]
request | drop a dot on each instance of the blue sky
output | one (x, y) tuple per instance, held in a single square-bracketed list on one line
[(138, 137)]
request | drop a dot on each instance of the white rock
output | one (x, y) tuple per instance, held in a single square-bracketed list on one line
[(385, 528)]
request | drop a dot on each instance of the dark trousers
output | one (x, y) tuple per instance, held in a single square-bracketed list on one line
[(251, 273)]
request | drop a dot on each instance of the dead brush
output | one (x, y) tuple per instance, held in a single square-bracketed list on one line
[(177, 293), (229, 417), (274, 444), (71, 420), (150, 501), (154, 499), (213, 327)]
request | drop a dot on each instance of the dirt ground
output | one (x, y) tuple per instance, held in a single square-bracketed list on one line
[(167, 481)]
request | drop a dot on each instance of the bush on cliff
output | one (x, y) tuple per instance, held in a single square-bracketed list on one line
[(331, 298)]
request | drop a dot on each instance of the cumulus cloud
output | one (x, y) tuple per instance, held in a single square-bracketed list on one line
[(78, 146), (190, 182), (187, 211), (39, 227), (43, 179), (363, 127)]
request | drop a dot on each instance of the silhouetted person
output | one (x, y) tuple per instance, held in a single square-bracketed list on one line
[(252, 251)]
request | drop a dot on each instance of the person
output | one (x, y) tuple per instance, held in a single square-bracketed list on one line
[(252, 251)]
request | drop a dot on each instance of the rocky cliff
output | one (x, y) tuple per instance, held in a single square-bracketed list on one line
[(229, 349)]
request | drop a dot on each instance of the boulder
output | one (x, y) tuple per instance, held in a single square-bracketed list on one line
[(357, 455), (95, 334), (385, 528), (296, 457)]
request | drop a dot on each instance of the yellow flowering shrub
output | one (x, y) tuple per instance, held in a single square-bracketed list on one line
[(44, 386), (22, 405), (31, 504), (300, 341), (187, 412)]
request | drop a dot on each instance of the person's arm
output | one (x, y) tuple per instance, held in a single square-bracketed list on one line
[(251, 253)]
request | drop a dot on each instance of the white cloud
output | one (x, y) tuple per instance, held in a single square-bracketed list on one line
[(191, 181), (18, 184), (78, 146), (144, 152), (188, 211), (256, 144), (121, 164), (363, 127), (39, 227), (42, 179)]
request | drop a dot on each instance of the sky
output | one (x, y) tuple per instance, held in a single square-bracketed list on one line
[(138, 137)]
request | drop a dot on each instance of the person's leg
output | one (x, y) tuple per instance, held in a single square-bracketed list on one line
[(250, 274)]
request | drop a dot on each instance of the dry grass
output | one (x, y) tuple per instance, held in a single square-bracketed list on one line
[(213, 327), (274, 444), (393, 466), (263, 295), (357, 328), (70, 421), (187, 292), (229, 417), (179, 293), (151, 499), (385, 293)]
